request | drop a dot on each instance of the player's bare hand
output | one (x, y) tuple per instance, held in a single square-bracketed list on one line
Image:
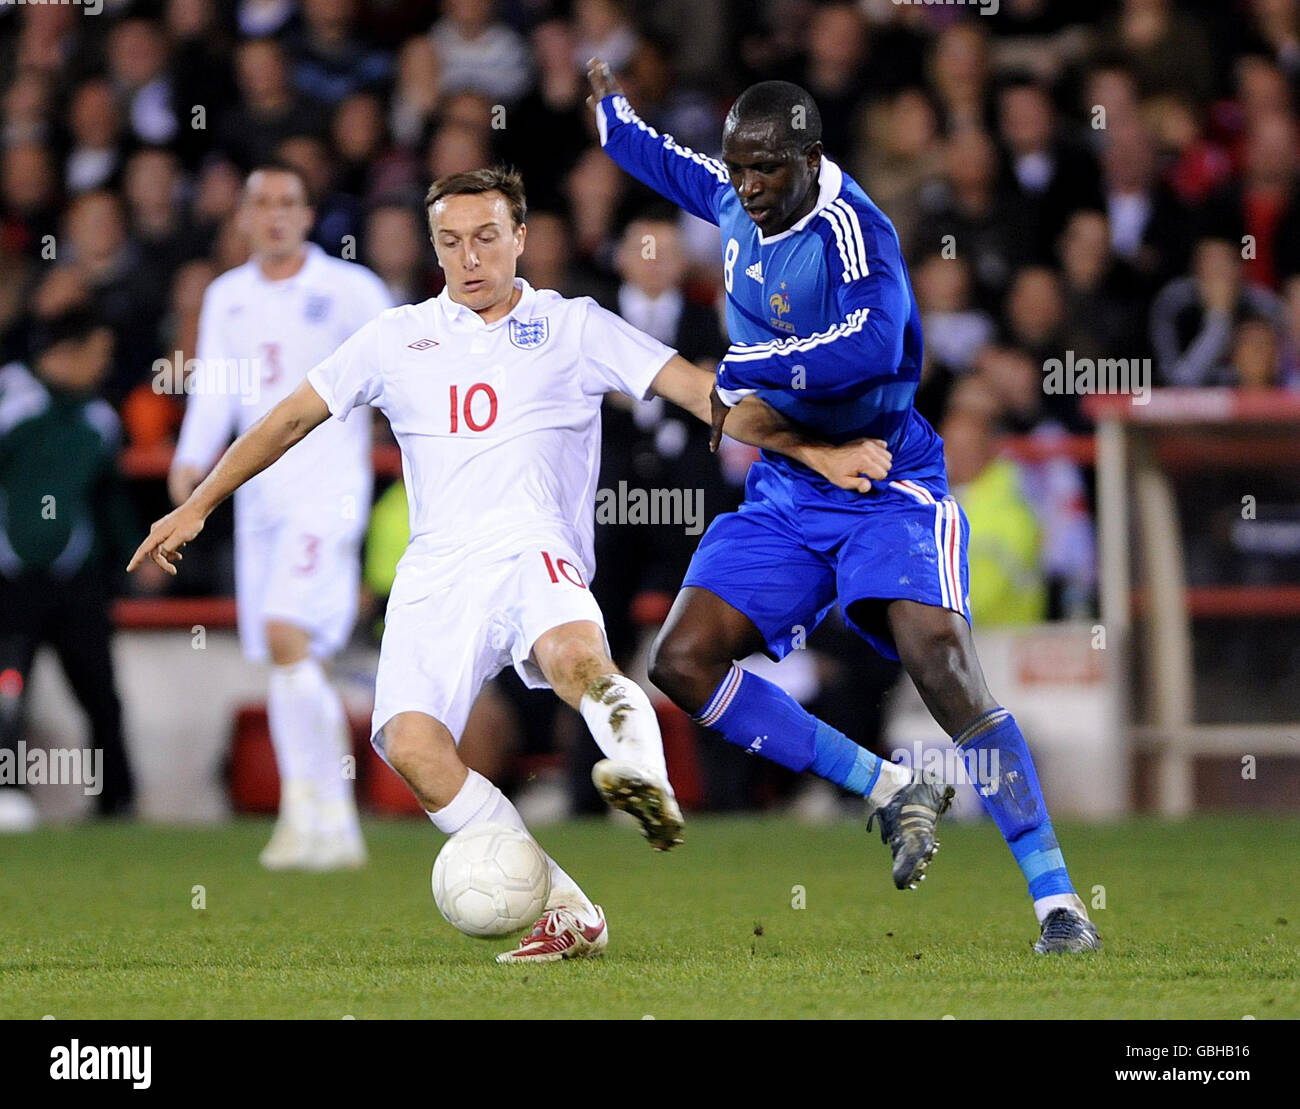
[(167, 537), (602, 81), (182, 480), (852, 465)]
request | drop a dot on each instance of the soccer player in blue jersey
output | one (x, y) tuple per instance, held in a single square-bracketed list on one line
[(825, 329)]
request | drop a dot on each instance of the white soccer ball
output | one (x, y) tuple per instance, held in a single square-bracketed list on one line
[(491, 880)]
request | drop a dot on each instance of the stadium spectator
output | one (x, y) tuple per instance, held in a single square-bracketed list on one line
[(965, 212), (1005, 547), (958, 72), (899, 157), (200, 74), (370, 166), (1289, 339), (1195, 166), (601, 30), (1049, 178), (835, 69), (1054, 486), (395, 248), (27, 108), (106, 263), (546, 132), (1261, 209), (65, 522), (1103, 294), (1167, 49), (137, 65), (268, 110), (158, 220), (330, 62), (478, 53), (95, 122), (28, 192), (1148, 227), (655, 445), (1193, 318), (1255, 355), (955, 330), (338, 213), (414, 100)]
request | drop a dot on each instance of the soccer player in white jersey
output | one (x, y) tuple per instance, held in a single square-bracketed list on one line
[(299, 525), (493, 390)]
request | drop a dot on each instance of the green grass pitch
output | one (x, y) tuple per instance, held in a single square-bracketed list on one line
[(1201, 919)]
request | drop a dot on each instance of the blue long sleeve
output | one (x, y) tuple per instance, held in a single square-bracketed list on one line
[(693, 181)]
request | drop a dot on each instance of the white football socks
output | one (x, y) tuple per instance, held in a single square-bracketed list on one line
[(623, 723), (480, 802), (1072, 901), (309, 734)]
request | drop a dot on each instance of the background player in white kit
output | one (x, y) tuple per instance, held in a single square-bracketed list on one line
[(299, 525), (493, 390)]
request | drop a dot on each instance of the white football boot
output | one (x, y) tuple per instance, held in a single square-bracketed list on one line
[(646, 796)]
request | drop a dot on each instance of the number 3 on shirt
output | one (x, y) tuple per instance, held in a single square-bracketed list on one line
[(468, 413)]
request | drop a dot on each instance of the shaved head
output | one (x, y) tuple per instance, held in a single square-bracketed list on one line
[(785, 111)]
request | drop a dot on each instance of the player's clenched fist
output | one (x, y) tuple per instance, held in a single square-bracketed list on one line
[(602, 81), (167, 537), (851, 465)]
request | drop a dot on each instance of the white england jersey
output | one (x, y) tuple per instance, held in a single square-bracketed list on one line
[(257, 340), (499, 423)]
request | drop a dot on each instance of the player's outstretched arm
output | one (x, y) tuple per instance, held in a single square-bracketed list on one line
[(690, 180), (250, 454), (850, 466)]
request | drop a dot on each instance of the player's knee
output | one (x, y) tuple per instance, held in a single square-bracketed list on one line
[(286, 643), (419, 748), (678, 665), (572, 661), (937, 658)]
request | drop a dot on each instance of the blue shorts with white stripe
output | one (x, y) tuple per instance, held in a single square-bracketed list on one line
[(784, 560)]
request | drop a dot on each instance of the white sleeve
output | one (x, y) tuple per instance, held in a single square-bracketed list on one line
[(616, 357), (351, 375), (209, 419)]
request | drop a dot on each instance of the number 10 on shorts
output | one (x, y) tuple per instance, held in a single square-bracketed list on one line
[(562, 568)]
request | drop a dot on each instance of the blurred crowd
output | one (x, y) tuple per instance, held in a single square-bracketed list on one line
[(1111, 178)]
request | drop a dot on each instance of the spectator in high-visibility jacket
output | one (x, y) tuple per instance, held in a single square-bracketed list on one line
[(1007, 584)]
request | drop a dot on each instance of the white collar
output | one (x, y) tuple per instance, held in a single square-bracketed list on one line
[(313, 255), (830, 179), (455, 312)]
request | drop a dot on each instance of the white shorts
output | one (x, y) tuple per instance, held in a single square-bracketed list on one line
[(302, 573), (453, 625)]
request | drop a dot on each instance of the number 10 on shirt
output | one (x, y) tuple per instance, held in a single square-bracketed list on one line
[(467, 414)]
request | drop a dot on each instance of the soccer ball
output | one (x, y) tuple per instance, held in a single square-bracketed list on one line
[(491, 880)]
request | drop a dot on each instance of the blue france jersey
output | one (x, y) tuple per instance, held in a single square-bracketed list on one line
[(823, 322)]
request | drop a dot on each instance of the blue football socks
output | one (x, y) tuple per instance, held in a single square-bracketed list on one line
[(765, 720), (1014, 800)]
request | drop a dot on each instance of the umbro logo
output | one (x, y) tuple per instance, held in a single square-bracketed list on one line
[(422, 344), (755, 271)]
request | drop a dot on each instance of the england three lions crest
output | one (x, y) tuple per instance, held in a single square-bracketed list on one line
[(527, 334)]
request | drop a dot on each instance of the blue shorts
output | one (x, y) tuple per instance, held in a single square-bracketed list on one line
[(784, 559)]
